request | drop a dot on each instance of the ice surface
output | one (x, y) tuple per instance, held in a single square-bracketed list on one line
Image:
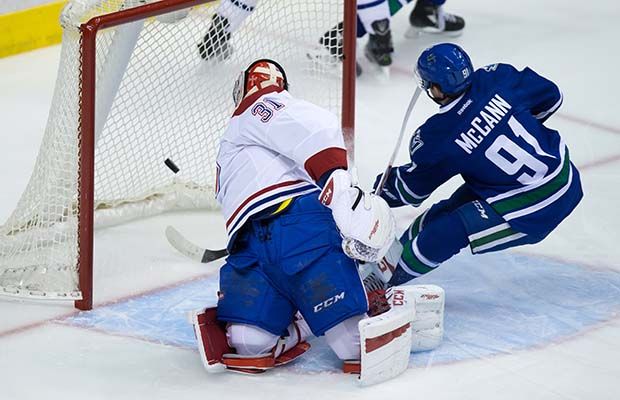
[(496, 304)]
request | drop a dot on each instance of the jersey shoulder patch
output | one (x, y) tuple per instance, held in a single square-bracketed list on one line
[(416, 142)]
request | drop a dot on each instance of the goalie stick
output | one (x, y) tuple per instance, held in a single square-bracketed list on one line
[(191, 250), (414, 99)]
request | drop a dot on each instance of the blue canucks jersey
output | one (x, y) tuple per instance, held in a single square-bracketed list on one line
[(494, 136)]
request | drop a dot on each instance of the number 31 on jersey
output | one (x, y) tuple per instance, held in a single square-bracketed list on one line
[(266, 108)]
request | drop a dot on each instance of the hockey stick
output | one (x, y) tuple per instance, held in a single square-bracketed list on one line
[(192, 250), (384, 177)]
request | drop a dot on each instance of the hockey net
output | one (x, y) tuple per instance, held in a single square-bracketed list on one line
[(132, 91)]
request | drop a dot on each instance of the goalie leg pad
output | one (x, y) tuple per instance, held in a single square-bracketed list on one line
[(216, 353), (385, 345), (414, 323), (344, 338), (256, 364), (428, 303), (211, 338), (259, 350)]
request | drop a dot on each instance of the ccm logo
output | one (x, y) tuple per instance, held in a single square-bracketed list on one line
[(480, 209), (399, 298), (328, 302), (327, 193)]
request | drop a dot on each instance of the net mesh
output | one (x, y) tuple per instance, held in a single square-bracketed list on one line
[(163, 90)]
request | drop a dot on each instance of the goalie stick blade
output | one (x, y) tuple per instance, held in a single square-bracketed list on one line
[(190, 250), (212, 255)]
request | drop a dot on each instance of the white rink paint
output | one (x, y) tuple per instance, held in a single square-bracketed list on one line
[(573, 45)]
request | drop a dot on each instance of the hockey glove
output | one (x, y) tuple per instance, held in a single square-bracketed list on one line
[(365, 221), (389, 192)]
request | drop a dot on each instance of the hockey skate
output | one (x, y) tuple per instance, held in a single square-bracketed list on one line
[(331, 46), (428, 18), (379, 48), (215, 45)]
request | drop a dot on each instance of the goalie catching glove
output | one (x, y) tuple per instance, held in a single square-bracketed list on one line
[(365, 221)]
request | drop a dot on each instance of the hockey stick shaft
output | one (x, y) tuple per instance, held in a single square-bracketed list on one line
[(414, 99), (191, 250)]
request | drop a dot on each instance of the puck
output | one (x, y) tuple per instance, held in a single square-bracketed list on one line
[(170, 164)]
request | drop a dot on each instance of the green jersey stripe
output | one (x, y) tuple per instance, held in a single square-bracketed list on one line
[(409, 258), (415, 228), (406, 196), (537, 195), (488, 231), (492, 237), (497, 242)]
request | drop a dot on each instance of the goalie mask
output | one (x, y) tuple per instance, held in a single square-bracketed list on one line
[(259, 75)]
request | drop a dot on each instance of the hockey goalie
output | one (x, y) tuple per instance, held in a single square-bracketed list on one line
[(298, 229)]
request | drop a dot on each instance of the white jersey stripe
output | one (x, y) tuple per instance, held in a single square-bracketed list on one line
[(552, 109), (407, 189), (419, 255), (267, 200)]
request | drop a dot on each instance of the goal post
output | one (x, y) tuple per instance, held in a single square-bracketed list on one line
[(133, 90)]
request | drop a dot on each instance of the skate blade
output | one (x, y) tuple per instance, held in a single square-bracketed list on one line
[(383, 70), (380, 72), (321, 56), (413, 32), (385, 73)]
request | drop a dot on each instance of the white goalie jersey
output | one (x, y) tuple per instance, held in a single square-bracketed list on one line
[(275, 148)]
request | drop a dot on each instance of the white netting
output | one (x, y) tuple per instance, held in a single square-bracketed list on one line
[(156, 98)]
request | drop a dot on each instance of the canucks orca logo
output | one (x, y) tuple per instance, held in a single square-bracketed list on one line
[(416, 143)]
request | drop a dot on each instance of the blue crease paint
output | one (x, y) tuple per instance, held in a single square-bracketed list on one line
[(495, 304)]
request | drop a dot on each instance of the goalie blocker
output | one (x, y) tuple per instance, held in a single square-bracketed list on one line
[(414, 322), (364, 220)]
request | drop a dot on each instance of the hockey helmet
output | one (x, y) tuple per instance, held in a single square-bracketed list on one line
[(260, 74), (446, 65)]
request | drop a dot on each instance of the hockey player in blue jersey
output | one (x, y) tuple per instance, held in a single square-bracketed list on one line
[(491, 130)]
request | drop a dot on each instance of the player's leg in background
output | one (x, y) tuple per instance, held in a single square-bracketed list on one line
[(449, 226), (429, 16), (379, 47), (374, 18), (228, 17)]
